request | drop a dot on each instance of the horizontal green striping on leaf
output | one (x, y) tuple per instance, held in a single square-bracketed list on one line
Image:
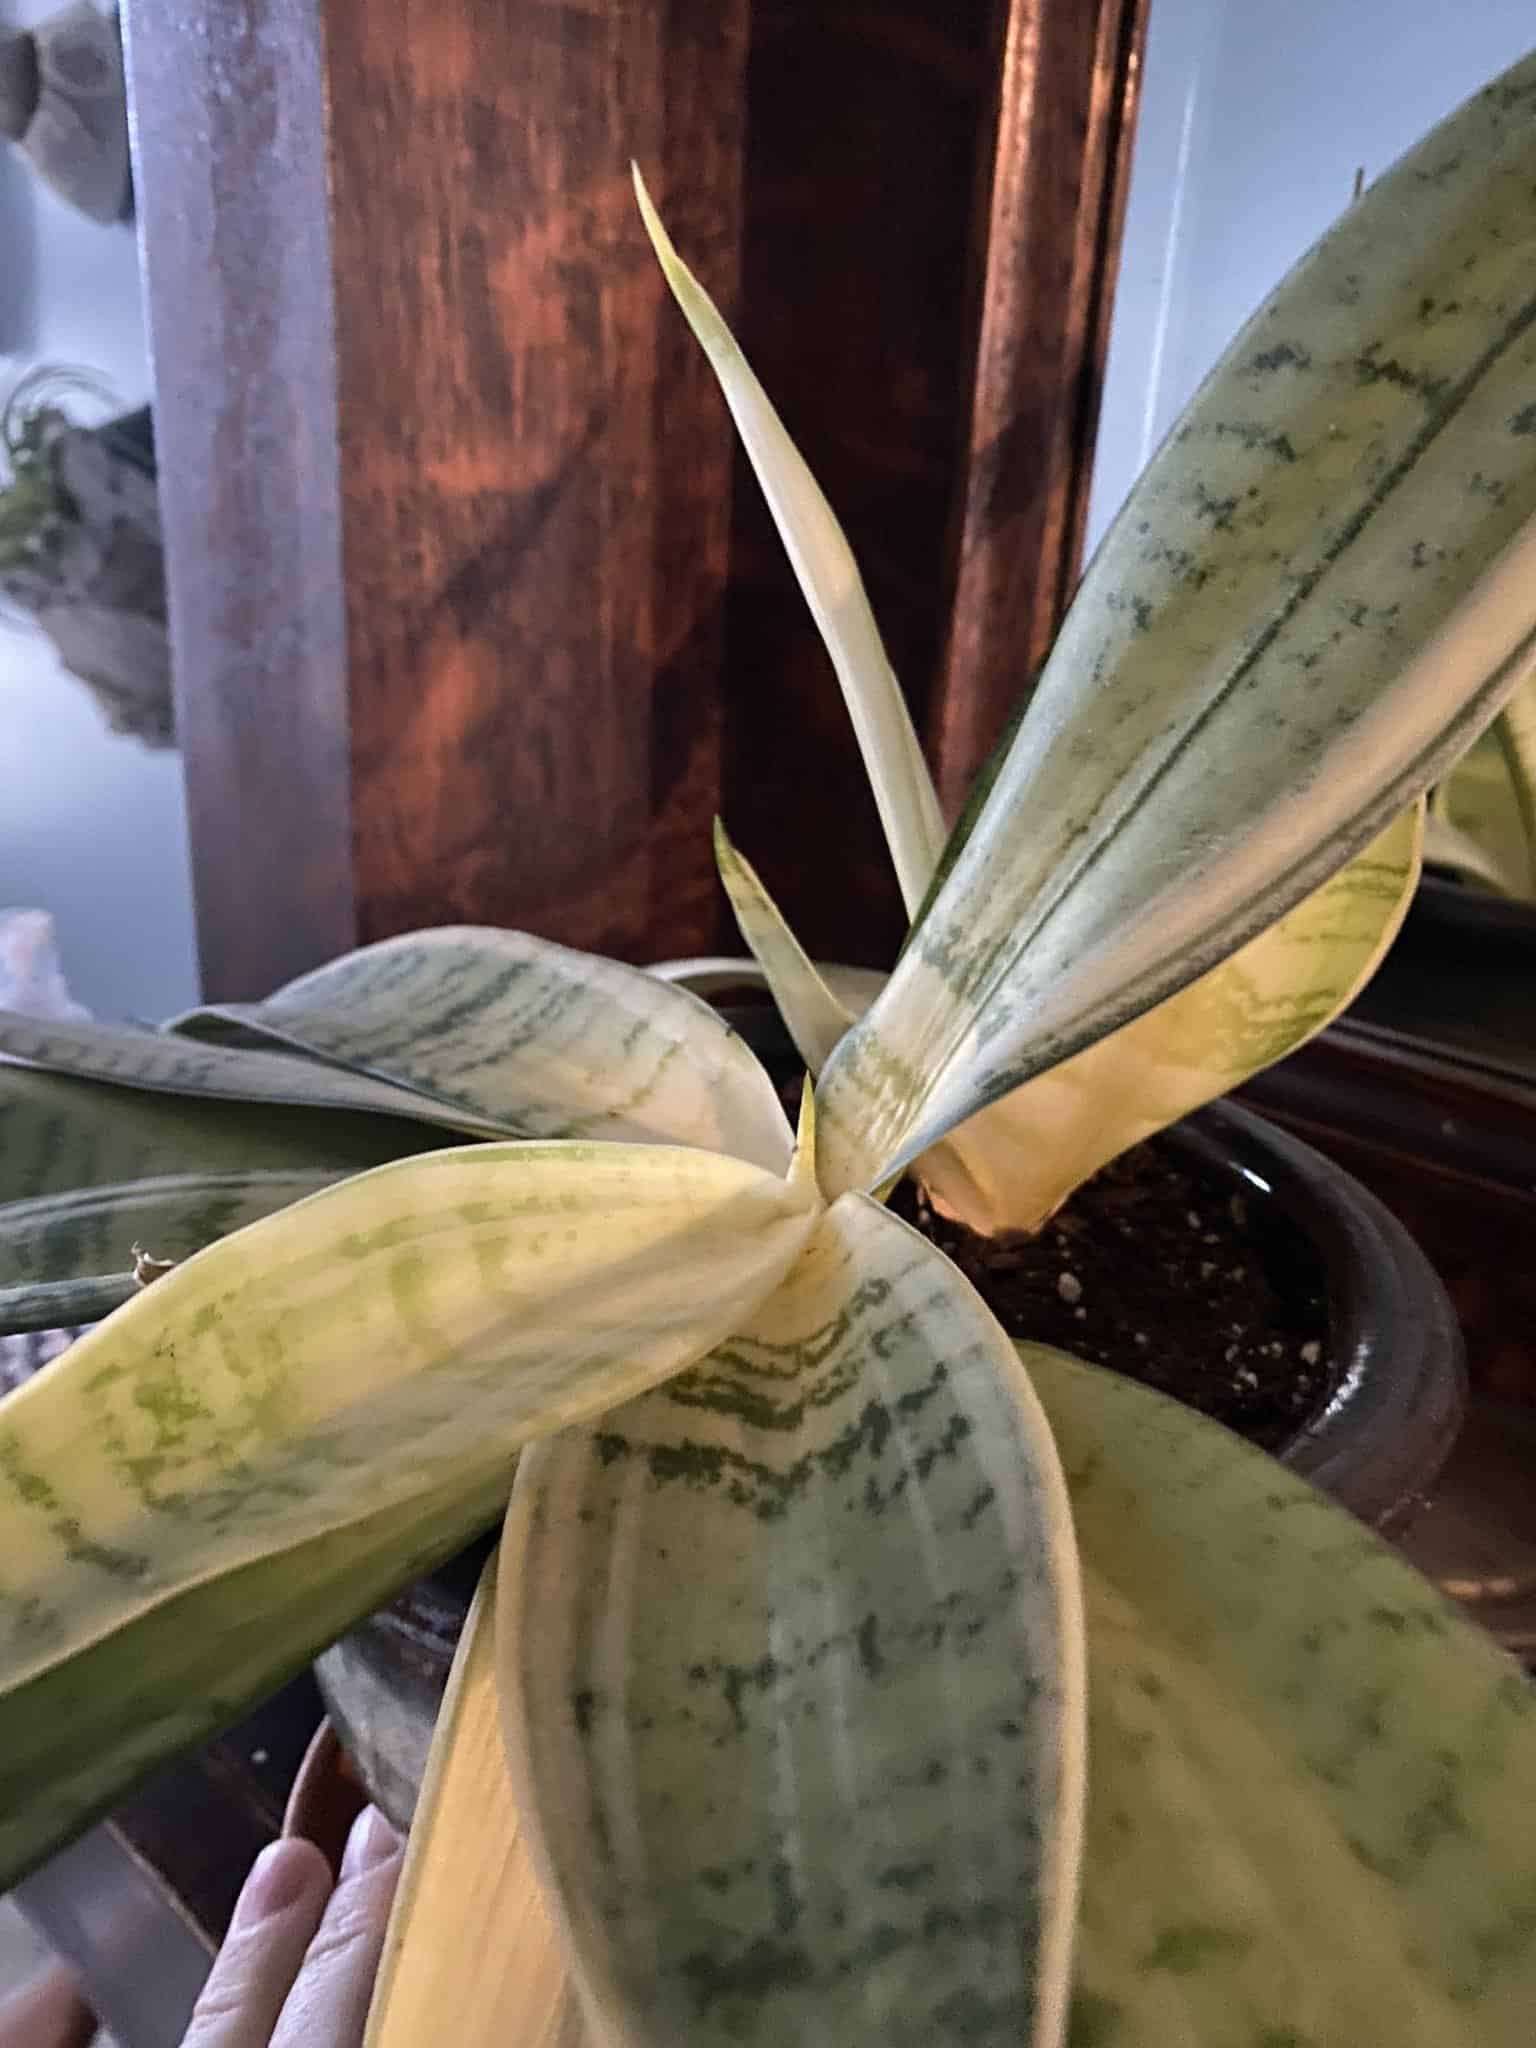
[(96, 1230), (157, 1063), (359, 1350), (542, 1041), (792, 1659), (59, 1134)]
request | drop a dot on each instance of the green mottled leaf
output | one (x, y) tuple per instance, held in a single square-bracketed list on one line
[(792, 1661), (77, 1737), (58, 1135), (1320, 591), (358, 1351), (159, 1064), (68, 1259), (96, 1229), (1309, 1816), (829, 577), (1015, 1162), (540, 1041)]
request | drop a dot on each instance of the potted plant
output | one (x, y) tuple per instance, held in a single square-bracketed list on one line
[(80, 549), (816, 1594)]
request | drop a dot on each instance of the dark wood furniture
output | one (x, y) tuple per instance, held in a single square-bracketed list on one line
[(476, 614)]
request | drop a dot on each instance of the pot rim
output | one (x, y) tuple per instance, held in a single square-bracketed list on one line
[(1399, 1389)]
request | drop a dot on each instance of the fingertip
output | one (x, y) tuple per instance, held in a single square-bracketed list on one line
[(372, 1842), (285, 1873)]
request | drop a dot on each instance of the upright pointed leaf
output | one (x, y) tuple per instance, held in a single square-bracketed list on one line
[(792, 1656), (471, 1936), (1516, 730), (1321, 590), (1310, 1806), (812, 1014), (713, 975), (1012, 1165), (1486, 853), (541, 1041), (355, 1352), (829, 577)]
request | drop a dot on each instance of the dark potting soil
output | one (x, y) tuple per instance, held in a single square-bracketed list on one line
[(1160, 1269), (1166, 1273)]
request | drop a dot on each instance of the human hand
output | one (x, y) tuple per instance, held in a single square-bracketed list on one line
[(298, 1964)]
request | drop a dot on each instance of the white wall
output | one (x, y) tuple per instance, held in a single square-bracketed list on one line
[(92, 825), (1253, 121)]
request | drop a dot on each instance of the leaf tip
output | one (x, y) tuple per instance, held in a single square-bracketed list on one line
[(802, 1167), (726, 856)]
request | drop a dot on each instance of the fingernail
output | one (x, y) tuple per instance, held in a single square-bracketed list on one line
[(372, 1841), (280, 1876)]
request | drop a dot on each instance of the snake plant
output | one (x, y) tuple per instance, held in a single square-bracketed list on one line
[(849, 1674), (1482, 818)]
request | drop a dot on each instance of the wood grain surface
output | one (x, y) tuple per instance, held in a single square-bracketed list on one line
[(476, 613)]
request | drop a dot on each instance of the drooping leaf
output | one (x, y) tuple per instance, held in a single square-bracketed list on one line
[(540, 1041), (157, 1063), (470, 1942), (812, 1014), (1309, 1814), (1321, 590), (829, 577), (1015, 1162), (59, 1135), (792, 1661), (78, 1737), (356, 1351), (170, 1216)]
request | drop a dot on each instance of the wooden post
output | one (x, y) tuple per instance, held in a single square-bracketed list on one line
[(475, 613), (1048, 250)]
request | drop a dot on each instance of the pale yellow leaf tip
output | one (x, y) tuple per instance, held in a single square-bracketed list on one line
[(698, 308), (802, 1167), (661, 241), (727, 859)]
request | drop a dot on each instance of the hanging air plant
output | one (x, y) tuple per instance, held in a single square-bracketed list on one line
[(80, 548)]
